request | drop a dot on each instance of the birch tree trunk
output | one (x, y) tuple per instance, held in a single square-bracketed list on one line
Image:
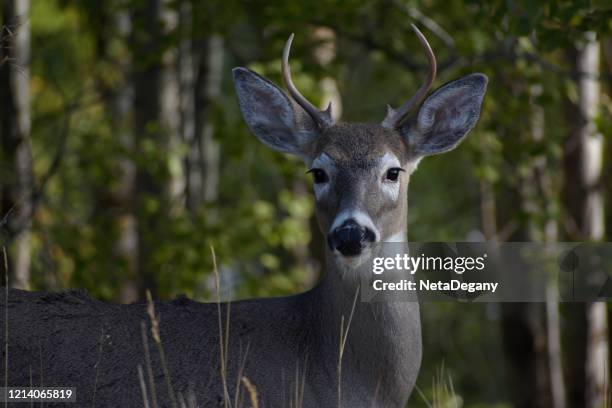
[(593, 223), (121, 110), (607, 90), (539, 195), (16, 189), (584, 202), (170, 115)]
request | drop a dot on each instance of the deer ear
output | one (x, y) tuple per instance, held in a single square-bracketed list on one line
[(272, 116), (446, 116)]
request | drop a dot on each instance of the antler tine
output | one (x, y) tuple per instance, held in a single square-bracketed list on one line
[(395, 116), (322, 118)]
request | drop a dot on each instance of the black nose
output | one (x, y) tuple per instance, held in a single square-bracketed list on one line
[(350, 238)]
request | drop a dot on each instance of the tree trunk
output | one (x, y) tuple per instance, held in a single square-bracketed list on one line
[(324, 54), (553, 332), (170, 115), (151, 142), (186, 73), (584, 204), (539, 195), (203, 160), (523, 324), (127, 247), (607, 64), (112, 29), (16, 189), (607, 55), (593, 223)]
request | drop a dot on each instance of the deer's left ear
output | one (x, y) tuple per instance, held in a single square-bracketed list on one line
[(446, 116)]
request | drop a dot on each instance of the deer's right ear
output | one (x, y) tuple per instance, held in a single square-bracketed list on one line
[(271, 116)]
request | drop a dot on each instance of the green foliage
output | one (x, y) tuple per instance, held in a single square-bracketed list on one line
[(260, 224)]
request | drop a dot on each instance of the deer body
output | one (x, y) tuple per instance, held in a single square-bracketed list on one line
[(287, 347), (321, 348)]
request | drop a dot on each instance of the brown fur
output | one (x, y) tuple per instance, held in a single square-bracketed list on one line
[(356, 149)]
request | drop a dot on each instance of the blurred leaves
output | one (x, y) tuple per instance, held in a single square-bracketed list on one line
[(261, 221)]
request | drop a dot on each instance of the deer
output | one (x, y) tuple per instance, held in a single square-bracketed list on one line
[(319, 348)]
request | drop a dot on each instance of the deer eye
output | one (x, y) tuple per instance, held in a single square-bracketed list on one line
[(393, 174), (319, 176)]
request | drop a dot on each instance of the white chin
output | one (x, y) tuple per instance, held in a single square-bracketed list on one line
[(353, 262)]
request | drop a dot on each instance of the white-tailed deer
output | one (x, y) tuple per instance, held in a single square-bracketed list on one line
[(321, 348)]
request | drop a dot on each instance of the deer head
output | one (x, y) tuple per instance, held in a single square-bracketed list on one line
[(360, 171)]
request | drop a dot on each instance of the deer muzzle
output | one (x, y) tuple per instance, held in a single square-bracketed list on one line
[(350, 238)]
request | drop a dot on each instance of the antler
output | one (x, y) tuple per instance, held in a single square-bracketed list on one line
[(395, 116), (322, 118)]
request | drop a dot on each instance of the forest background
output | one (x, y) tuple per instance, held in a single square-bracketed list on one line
[(124, 157)]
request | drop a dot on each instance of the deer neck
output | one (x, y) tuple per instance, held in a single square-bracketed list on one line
[(383, 339), (340, 292)]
